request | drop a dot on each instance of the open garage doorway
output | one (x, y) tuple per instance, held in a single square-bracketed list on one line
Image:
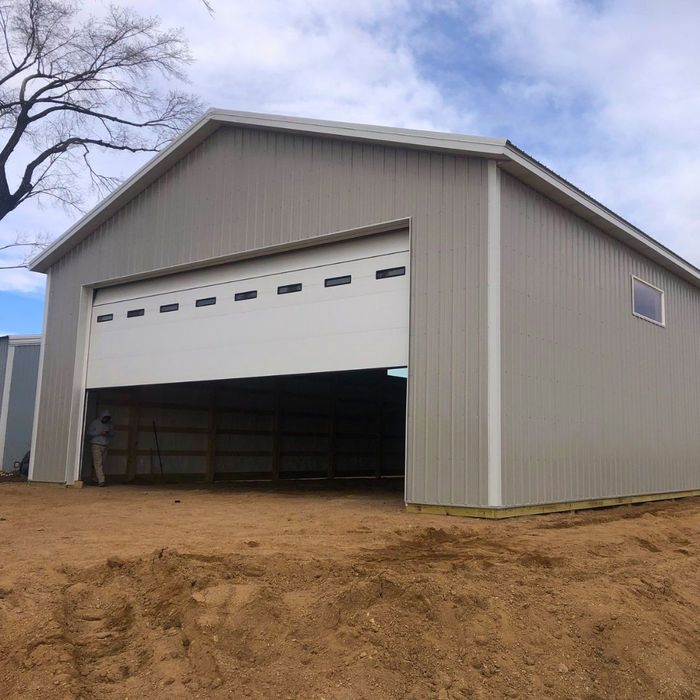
[(312, 426)]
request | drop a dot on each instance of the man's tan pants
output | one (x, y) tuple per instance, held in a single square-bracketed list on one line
[(99, 453)]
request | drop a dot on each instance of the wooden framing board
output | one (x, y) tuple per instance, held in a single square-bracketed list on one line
[(519, 511), (211, 438), (277, 432), (133, 434)]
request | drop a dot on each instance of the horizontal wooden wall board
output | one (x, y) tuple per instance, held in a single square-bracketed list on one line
[(276, 439)]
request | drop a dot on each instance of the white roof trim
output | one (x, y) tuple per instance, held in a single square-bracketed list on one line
[(365, 132), (513, 160), (14, 340)]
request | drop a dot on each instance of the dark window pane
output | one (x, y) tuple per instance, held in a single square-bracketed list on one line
[(169, 307), (289, 288), (135, 312), (209, 301), (648, 302), (105, 317), (242, 296), (391, 272), (337, 281)]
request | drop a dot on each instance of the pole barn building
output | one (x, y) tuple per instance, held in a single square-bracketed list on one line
[(237, 304), (19, 366)]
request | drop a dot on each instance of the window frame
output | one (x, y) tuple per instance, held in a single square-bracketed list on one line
[(662, 323), (390, 273), (337, 281)]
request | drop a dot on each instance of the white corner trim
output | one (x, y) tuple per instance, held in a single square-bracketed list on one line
[(74, 447), (5, 402), (37, 397), (493, 335)]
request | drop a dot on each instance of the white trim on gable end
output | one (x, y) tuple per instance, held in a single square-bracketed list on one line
[(511, 159)]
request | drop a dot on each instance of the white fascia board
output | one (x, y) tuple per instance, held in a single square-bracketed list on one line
[(15, 340), (430, 140), (215, 118)]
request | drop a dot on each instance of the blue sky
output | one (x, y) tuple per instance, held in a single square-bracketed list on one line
[(607, 93)]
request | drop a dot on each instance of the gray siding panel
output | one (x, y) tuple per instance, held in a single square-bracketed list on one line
[(4, 345), (596, 402), (244, 189), (20, 414)]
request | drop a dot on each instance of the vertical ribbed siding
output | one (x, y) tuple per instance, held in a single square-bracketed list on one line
[(243, 189), (596, 402), (18, 436), (4, 344)]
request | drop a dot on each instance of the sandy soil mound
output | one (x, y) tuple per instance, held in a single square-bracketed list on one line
[(555, 608)]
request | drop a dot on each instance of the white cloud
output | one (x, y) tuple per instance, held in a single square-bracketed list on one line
[(626, 71), (331, 59), (17, 280), (319, 58), (22, 281)]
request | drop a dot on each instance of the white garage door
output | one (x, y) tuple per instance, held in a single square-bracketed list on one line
[(333, 307)]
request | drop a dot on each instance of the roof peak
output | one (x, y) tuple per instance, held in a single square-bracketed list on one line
[(512, 160)]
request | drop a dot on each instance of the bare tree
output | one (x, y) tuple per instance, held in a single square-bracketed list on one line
[(27, 246), (71, 86)]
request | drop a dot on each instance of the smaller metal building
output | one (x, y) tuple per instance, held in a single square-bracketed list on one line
[(19, 367)]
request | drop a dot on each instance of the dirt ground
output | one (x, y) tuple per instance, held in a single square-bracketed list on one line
[(335, 592)]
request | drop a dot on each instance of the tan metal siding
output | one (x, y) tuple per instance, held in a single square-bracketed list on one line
[(596, 402), (242, 189)]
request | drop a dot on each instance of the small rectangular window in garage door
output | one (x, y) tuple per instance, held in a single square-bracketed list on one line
[(390, 272), (337, 281)]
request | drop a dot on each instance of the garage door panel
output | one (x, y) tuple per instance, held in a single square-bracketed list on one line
[(259, 359), (359, 325), (344, 252)]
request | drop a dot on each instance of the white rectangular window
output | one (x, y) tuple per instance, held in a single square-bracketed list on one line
[(648, 302)]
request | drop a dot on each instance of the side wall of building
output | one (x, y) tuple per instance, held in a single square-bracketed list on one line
[(596, 402), (245, 189), (4, 346), (20, 414)]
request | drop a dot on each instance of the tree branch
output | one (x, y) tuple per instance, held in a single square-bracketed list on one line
[(69, 82)]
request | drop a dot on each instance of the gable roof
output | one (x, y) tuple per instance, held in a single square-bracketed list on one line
[(512, 160)]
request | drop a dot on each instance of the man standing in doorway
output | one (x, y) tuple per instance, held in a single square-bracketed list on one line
[(99, 432)]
